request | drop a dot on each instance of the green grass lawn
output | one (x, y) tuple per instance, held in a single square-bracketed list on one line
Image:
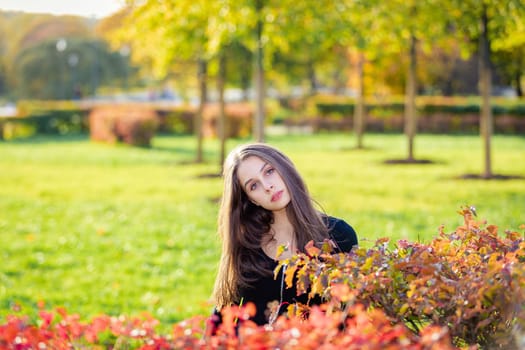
[(115, 229)]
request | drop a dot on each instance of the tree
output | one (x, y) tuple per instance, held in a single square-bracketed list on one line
[(225, 32), (193, 30), (353, 29), (408, 26), (66, 68), (221, 83), (301, 32), (188, 31), (3, 51), (259, 73), (492, 24), (169, 31), (268, 27), (23, 31), (509, 50)]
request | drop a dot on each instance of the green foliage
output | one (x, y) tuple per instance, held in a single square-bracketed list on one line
[(78, 67), (506, 19), (178, 121), (23, 30), (471, 281), (55, 122), (173, 32)]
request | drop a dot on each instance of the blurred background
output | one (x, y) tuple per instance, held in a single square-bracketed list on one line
[(151, 50)]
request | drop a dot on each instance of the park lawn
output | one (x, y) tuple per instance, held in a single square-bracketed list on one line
[(121, 230)]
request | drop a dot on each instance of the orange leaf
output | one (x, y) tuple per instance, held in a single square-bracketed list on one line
[(493, 229), (290, 273), (312, 250)]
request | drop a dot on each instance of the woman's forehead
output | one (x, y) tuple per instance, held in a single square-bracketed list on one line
[(251, 164)]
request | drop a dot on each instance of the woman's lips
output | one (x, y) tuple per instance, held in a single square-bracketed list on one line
[(277, 196)]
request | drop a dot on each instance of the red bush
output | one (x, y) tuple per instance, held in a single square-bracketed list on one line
[(356, 329), (239, 117), (131, 124)]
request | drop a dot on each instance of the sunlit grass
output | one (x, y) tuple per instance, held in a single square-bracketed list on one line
[(115, 229)]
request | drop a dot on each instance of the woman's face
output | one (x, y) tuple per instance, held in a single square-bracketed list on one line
[(263, 185)]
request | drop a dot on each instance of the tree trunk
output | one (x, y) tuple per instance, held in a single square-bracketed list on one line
[(202, 75), (312, 78), (221, 125), (519, 90), (410, 99), (258, 125), (245, 85), (359, 111), (485, 86)]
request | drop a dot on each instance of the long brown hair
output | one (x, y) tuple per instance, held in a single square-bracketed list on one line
[(242, 224)]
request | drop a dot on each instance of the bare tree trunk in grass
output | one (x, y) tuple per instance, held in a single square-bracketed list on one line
[(312, 77), (410, 99), (222, 110), (202, 75), (485, 86), (258, 126), (359, 111)]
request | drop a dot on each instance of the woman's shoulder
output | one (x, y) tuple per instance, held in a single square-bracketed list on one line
[(342, 233)]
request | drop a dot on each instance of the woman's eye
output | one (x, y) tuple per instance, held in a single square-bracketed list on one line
[(253, 186), (269, 171)]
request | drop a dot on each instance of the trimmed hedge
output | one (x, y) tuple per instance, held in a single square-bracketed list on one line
[(131, 124), (432, 117), (56, 122), (177, 120), (347, 109), (239, 119), (180, 120)]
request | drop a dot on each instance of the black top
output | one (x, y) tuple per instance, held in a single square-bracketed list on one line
[(268, 289)]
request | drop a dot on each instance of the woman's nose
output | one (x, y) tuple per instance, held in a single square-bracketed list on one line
[(268, 186)]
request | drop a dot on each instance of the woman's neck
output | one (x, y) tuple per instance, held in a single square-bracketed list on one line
[(281, 234), (280, 220)]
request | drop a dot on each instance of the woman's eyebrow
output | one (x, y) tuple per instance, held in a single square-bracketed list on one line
[(262, 168)]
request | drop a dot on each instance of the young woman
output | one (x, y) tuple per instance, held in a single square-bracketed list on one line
[(265, 205)]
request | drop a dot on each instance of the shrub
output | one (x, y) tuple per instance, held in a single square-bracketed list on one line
[(471, 281), (178, 121), (10, 130), (239, 118), (434, 116), (35, 107), (131, 124), (52, 122), (361, 329)]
